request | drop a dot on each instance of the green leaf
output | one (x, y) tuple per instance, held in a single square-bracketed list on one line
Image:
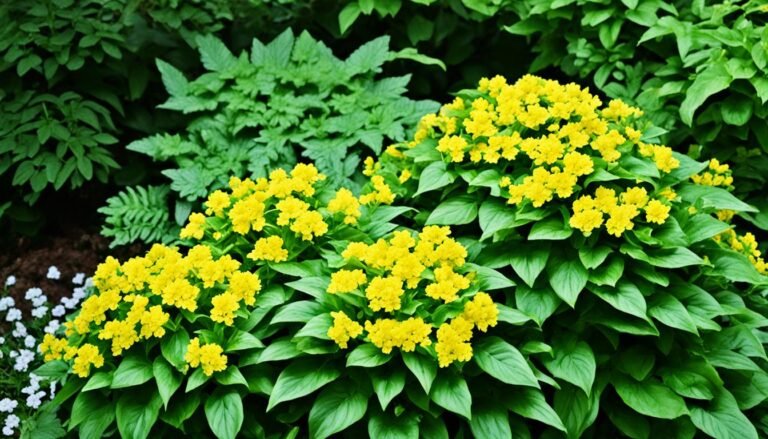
[(423, 368), (301, 311), (671, 312), (490, 279), (214, 54), (713, 79), (577, 410), (650, 398), (568, 277), (181, 408), (348, 16), (552, 229), (173, 80), (387, 384), (723, 419), (504, 362), (451, 392), (637, 362), (134, 370), (608, 274), (495, 215), (530, 403), (528, 260), (300, 378), (314, 286), (574, 362), (701, 227), (710, 197), (386, 426), (93, 412), (734, 266), (168, 380), (538, 303), (593, 257), (224, 412), (369, 57), (490, 421), (625, 298), (197, 379), (174, 348), (336, 408), (231, 376), (454, 211), (434, 176), (242, 340), (677, 257), (136, 413), (367, 355), (688, 384), (279, 350), (98, 380)]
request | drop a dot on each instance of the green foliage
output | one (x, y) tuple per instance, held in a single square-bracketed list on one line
[(261, 110), (139, 213)]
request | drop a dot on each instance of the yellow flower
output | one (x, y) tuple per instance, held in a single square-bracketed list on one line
[(224, 307), (87, 355), (122, 333), (269, 249), (210, 356), (345, 281), (447, 284), (181, 294), (656, 212), (636, 196), (217, 202), (248, 214), (454, 146), (387, 334), (345, 202), (620, 219), (309, 225), (384, 293), (405, 175), (53, 348), (152, 321), (452, 342), (343, 329), (195, 227), (481, 311), (381, 194)]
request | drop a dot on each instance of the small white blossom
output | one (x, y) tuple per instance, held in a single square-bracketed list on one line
[(52, 327), (19, 331), (32, 293), (30, 341), (11, 422), (78, 293), (39, 300), (40, 311), (53, 273), (8, 405), (34, 400), (23, 359), (10, 281), (6, 302), (58, 311), (2, 340), (89, 282), (69, 303), (13, 315), (78, 279), (53, 389)]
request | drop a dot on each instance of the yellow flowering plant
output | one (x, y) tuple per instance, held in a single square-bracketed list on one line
[(621, 251)]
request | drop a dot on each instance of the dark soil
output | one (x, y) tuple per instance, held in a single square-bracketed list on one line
[(72, 251)]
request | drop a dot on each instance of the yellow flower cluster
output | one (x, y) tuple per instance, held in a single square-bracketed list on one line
[(588, 211), (453, 337), (346, 281), (269, 249), (387, 334), (716, 174), (343, 329), (208, 356), (248, 203), (85, 356), (381, 194), (746, 245), (346, 203)]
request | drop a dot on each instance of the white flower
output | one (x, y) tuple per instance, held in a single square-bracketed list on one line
[(40, 311), (58, 311), (23, 359), (70, 303), (52, 326), (10, 281), (39, 300), (6, 302), (32, 293), (30, 341), (78, 279), (53, 389), (34, 400), (2, 340), (8, 405), (78, 293), (11, 422), (53, 273), (20, 330), (13, 315), (89, 282)]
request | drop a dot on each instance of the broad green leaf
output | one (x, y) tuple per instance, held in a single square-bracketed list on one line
[(167, 379), (336, 408), (702, 226), (98, 380), (609, 273), (688, 384), (669, 311), (279, 350), (573, 361), (174, 81), (136, 413), (133, 370), (174, 347), (301, 311), (539, 304), (722, 419), (241, 340), (650, 398), (528, 260), (568, 277), (711, 197), (636, 361), (593, 257), (181, 408), (490, 421), (530, 403), (367, 355), (93, 413), (224, 412), (454, 211), (450, 391), (577, 410), (626, 297), (231, 376), (504, 362), (387, 384), (490, 279), (677, 257), (214, 54), (423, 368), (387, 426), (553, 229), (713, 79), (495, 215), (300, 378), (434, 176)]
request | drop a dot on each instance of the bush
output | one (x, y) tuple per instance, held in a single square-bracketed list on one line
[(577, 286), (253, 113)]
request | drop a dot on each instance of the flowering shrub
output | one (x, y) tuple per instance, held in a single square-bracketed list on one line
[(24, 391), (607, 237)]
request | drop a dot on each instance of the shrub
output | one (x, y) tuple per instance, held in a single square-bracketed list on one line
[(609, 244), (290, 97), (577, 286)]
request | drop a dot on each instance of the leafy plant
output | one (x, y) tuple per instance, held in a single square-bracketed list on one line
[(290, 97), (608, 243), (139, 213)]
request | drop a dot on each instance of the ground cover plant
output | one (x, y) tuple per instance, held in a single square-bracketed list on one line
[(530, 262)]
